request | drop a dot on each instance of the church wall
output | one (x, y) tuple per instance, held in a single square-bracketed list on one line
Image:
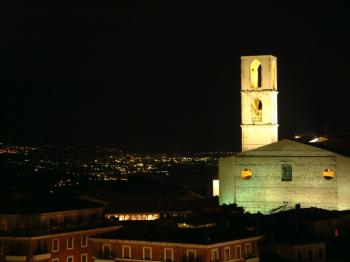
[(343, 174), (226, 181), (265, 190)]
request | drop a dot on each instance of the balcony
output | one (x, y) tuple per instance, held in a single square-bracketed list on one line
[(104, 257), (41, 253), (16, 258), (40, 257), (251, 258), (16, 254)]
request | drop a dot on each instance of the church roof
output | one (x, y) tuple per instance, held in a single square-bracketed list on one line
[(287, 147)]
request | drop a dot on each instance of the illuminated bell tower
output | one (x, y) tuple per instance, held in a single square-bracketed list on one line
[(259, 101)]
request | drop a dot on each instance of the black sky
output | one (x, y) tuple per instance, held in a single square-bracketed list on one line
[(166, 76)]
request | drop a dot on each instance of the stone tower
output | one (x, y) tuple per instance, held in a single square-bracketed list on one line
[(259, 101)]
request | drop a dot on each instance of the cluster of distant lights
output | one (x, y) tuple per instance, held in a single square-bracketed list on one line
[(100, 166)]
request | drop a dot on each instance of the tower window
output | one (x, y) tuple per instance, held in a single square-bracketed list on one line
[(286, 170), (273, 76), (257, 110), (255, 74)]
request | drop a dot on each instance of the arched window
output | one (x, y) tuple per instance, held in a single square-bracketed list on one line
[(255, 74), (257, 110), (273, 76)]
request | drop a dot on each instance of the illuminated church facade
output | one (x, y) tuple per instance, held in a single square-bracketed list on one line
[(271, 175)]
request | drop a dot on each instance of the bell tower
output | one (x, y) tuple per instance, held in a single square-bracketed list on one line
[(259, 101)]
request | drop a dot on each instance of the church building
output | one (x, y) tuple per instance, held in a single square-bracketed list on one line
[(271, 175)]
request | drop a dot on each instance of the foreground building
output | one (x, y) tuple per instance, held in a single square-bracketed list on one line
[(184, 243), (49, 229), (270, 175)]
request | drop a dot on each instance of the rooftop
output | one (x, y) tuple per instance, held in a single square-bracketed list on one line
[(173, 234)]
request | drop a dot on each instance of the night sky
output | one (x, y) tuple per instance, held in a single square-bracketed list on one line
[(165, 76)]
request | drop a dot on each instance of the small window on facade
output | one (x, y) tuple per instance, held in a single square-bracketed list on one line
[(147, 253), (328, 173), (238, 254), (191, 255), (286, 170), (70, 259), (310, 254), (1, 248), (168, 254), (320, 253), (21, 225), (55, 260), (246, 173), (55, 245), (83, 241), (83, 257), (248, 249), (215, 254), (300, 257), (106, 250), (126, 251), (70, 243), (3, 225), (226, 254)]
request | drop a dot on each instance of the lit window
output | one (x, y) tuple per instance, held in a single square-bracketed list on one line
[(70, 259), (168, 254), (70, 243), (328, 173), (83, 241), (286, 170), (55, 245), (126, 251), (246, 173), (147, 253), (83, 257)]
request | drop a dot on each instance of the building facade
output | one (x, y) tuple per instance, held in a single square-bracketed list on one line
[(51, 232), (150, 246), (270, 175)]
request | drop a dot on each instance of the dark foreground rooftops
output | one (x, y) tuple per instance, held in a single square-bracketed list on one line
[(43, 204), (173, 234)]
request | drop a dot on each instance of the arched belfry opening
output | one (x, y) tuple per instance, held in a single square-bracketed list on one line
[(257, 110), (255, 74), (273, 76)]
